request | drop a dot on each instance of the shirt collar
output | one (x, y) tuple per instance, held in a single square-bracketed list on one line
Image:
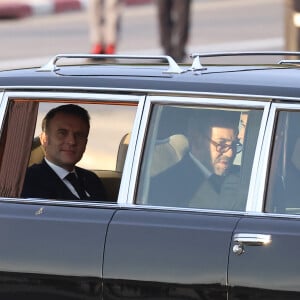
[(61, 172)]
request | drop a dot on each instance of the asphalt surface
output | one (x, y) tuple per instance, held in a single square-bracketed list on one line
[(25, 8)]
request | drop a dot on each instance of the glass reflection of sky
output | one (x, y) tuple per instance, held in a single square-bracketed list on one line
[(109, 123)]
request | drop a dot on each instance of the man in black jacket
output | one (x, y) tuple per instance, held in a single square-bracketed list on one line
[(207, 169), (64, 137)]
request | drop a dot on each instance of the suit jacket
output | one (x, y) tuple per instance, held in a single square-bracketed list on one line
[(42, 182), (177, 185), (184, 185), (224, 195)]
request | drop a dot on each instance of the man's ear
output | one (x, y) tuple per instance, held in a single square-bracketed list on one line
[(43, 139)]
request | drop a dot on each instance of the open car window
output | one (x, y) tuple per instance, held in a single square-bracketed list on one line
[(111, 124)]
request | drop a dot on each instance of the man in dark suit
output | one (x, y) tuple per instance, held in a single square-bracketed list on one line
[(207, 169), (64, 137)]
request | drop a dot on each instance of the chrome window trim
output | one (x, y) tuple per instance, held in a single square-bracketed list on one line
[(126, 193), (55, 202), (124, 190), (138, 151), (90, 89), (274, 215), (210, 211), (261, 178), (260, 161), (211, 102), (3, 106), (71, 96), (186, 209)]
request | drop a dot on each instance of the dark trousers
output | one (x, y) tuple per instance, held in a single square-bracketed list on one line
[(174, 21)]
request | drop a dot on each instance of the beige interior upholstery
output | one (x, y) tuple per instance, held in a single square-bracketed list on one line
[(122, 152), (168, 152), (112, 179), (37, 152)]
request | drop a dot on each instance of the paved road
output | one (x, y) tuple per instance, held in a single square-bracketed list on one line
[(216, 25)]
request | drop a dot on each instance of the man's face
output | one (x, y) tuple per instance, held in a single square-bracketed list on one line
[(65, 140), (221, 162)]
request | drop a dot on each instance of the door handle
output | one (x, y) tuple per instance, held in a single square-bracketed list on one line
[(250, 239)]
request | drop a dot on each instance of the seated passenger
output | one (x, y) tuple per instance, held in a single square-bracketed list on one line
[(198, 179), (64, 137)]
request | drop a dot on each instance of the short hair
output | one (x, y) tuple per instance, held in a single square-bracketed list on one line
[(203, 120), (70, 109)]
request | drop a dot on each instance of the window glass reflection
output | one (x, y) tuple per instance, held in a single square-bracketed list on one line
[(191, 161)]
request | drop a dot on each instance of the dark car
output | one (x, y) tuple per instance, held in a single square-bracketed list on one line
[(157, 236)]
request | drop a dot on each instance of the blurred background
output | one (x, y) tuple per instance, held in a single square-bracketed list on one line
[(33, 31)]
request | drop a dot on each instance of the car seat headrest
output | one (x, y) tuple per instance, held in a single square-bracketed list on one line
[(168, 152)]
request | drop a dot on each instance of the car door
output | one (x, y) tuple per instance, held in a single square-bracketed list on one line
[(264, 257), (53, 248), (156, 249), (51, 251)]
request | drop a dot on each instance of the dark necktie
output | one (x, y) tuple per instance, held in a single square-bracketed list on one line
[(72, 178)]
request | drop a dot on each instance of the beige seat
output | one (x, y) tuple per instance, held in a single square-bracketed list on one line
[(122, 152), (37, 152), (168, 152), (112, 179)]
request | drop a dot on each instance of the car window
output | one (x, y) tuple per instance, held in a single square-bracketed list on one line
[(110, 127), (198, 157), (284, 177)]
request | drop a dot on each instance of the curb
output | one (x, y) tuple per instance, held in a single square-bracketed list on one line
[(21, 9), (10, 9)]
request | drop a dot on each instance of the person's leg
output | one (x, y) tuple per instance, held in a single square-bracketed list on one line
[(165, 24), (95, 11), (181, 27), (112, 24)]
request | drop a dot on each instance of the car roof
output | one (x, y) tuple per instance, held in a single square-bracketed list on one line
[(109, 73)]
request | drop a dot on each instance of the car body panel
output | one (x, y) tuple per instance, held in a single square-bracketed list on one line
[(166, 255), (266, 271), (242, 80), (51, 251)]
